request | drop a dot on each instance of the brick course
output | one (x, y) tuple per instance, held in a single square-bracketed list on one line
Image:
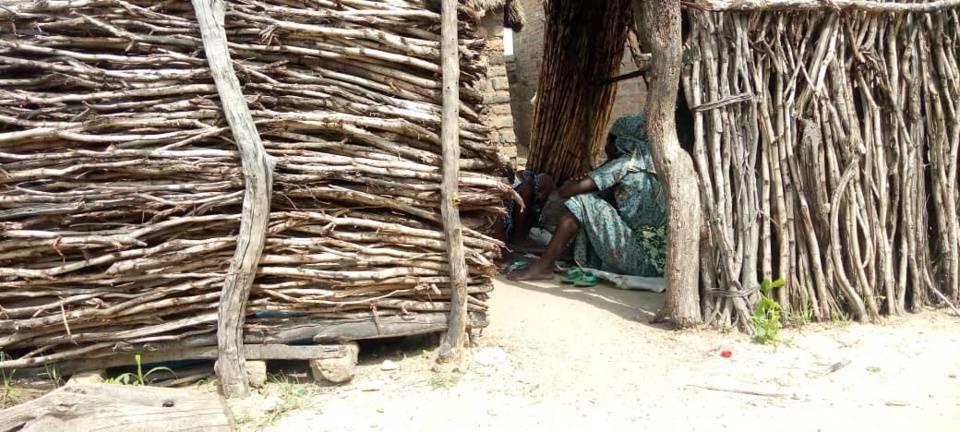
[(496, 89)]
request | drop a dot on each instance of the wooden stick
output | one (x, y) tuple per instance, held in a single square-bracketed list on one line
[(449, 195), (945, 300), (257, 172), (746, 392)]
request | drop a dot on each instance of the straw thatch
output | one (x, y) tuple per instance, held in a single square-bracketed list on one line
[(513, 16)]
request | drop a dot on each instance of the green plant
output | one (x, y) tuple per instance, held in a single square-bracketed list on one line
[(11, 395), (766, 317), (801, 317), (140, 378), (804, 315), (292, 396), (53, 375), (873, 369), (443, 382)]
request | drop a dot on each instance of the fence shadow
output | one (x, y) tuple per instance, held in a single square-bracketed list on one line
[(638, 306)]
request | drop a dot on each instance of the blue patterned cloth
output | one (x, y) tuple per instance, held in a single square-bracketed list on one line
[(519, 184), (623, 227)]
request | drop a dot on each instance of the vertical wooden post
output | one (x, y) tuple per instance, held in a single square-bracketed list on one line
[(449, 197), (258, 186)]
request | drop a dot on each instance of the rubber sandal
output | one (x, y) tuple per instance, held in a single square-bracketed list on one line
[(573, 276), (587, 281)]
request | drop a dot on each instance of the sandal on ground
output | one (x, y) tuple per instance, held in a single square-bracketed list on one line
[(587, 281), (573, 276)]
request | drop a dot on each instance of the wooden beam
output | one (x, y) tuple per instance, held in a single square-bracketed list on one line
[(618, 78), (258, 186), (812, 5), (210, 352), (449, 193), (386, 327), (323, 330), (117, 408)]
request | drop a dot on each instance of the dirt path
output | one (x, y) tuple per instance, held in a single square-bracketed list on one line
[(580, 358)]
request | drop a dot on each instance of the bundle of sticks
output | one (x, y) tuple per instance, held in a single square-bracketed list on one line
[(121, 188), (827, 151)]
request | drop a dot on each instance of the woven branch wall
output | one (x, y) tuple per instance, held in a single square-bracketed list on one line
[(120, 187), (840, 174)]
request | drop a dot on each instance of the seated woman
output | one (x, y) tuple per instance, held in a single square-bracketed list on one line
[(514, 228), (617, 211)]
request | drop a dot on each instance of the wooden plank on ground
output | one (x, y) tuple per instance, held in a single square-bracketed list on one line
[(117, 408)]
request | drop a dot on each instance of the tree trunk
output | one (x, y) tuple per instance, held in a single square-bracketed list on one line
[(659, 21)]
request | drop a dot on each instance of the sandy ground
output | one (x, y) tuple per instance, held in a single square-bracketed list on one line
[(582, 358)]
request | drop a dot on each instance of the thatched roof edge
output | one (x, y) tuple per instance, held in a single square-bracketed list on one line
[(513, 16)]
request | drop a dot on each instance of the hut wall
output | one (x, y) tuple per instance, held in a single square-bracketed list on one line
[(120, 184), (496, 88), (827, 149), (528, 53)]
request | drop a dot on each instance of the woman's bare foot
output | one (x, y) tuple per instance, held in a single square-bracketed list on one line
[(534, 272)]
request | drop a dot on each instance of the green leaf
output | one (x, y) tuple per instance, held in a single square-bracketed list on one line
[(779, 283), (765, 285), (157, 369)]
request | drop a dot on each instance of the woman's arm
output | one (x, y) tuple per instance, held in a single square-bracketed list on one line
[(601, 178), (577, 186)]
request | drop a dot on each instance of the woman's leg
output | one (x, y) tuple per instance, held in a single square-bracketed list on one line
[(521, 241), (523, 220), (498, 230), (543, 269)]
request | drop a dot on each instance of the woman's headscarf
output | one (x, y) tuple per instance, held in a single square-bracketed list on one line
[(630, 133)]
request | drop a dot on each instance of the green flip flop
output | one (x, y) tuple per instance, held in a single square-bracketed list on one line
[(587, 281), (573, 276)]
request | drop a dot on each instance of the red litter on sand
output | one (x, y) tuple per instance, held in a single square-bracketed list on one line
[(726, 354)]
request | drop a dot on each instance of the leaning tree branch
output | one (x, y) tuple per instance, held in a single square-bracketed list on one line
[(257, 174)]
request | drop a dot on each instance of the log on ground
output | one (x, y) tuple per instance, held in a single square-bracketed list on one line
[(107, 407)]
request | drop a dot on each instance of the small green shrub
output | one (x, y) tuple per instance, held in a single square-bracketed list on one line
[(443, 382), (11, 395), (766, 317)]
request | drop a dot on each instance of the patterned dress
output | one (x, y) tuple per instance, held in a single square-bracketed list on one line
[(519, 184), (623, 225)]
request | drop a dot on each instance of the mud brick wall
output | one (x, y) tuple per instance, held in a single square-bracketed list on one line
[(496, 89)]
